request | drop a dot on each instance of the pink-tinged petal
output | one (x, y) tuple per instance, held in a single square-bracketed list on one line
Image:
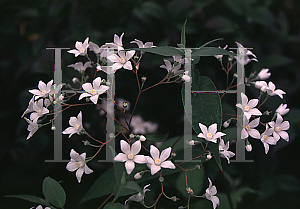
[(94, 99), (271, 85), (83, 95), (254, 133), (72, 166), (266, 148), (148, 45), (86, 42), (125, 147), (254, 123), (83, 156), (103, 89), (79, 174), (213, 190), (285, 125), (122, 54), (127, 65), (44, 111), (74, 51), (244, 134), (240, 106), (49, 84), (140, 159), (214, 140), (70, 131), (87, 87), (210, 184), (279, 92), (97, 82), (276, 136), (78, 44), (284, 135), (138, 42), (244, 99), (272, 124), (79, 117), (36, 92), (129, 54), (168, 164), (203, 129), (154, 152), (149, 160), (254, 111), (73, 121), (114, 58), (116, 66), (279, 119), (252, 103), (226, 147), (121, 157), (136, 147), (165, 154), (218, 135), (129, 165), (215, 200), (34, 116), (271, 140), (212, 129), (87, 170), (42, 85), (154, 169), (74, 155)]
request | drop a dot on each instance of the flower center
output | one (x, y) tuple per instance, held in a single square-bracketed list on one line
[(248, 127), (157, 161), (246, 108), (130, 156), (43, 92), (92, 91), (211, 194), (278, 128), (38, 111), (76, 126), (80, 164), (82, 50), (122, 60), (209, 136)]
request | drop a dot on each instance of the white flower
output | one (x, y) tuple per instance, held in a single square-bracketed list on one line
[(40, 207), (178, 58), (264, 74), (246, 52), (223, 150), (32, 127), (272, 92), (130, 155), (248, 107), (93, 91), (78, 163), (159, 161), (266, 138), (39, 110), (80, 67), (219, 57), (211, 134), (141, 45), (248, 128), (76, 124), (185, 77), (282, 110), (98, 50), (43, 91), (280, 128), (209, 194), (29, 108), (117, 42), (138, 197), (81, 48), (122, 60), (175, 69), (262, 85)]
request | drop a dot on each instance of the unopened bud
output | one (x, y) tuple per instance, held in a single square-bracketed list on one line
[(248, 146), (226, 124), (174, 198), (137, 176), (144, 78), (98, 67), (131, 136), (161, 179), (192, 142), (208, 156), (266, 112), (142, 138), (197, 166), (53, 127), (86, 143), (75, 80)]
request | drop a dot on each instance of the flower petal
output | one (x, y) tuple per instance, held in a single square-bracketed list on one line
[(212, 129), (87, 170), (79, 174), (140, 159), (121, 157), (125, 147), (254, 133), (252, 103), (165, 154), (129, 165), (154, 152), (72, 166), (136, 147), (154, 169), (168, 164), (203, 129)]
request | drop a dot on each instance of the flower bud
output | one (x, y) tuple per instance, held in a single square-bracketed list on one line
[(161, 179), (192, 142), (174, 198), (264, 74), (125, 104), (98, 67), (142, 138), (208, 156), (186, 78), (75, 80), (282, 110), (131, 136), (226, 124), (53, 127), (248, 147), (137, 176), (144, 79)]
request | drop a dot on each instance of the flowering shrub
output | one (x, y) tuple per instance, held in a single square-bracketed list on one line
[(145, 156)]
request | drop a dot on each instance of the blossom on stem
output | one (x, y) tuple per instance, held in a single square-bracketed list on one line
[(248, 128), (158, 160), (29, 108), (141, 44), (40, 207), (98, 50), (32, 127), (266, 138), (219, 57), (185, 77), (39, 110), (138, 197), (262, 85), (272, 92), (93, 91), (211, 133), (78, 163), (223, 150), (130, 155), (122, 60), (264, 74), (248, 107), (76, 124), (80, 67), (280, 128), (81, 48), (43, 90), (210, 192), (246, 52), (117, 42), (282, 109), (175, 69)]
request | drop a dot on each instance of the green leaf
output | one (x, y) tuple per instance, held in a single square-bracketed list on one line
[(162, 50), (124, 191), (211, 51), (134, 186), (118, 168), (31, 199), (54, 193), (114, 206), (183, 40), (217, 39), (206, 108), (157, 138)]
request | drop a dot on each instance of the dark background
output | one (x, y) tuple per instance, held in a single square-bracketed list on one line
[(271, 28)]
